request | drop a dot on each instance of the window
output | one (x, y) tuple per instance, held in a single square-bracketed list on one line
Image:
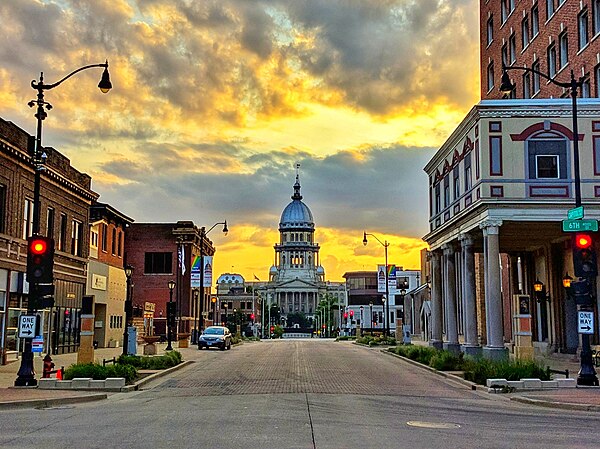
[(62, 236), (549, 8), (104, 236), (2, 208), (504, 10), (27, 218), (505, 55), (158, 263), (76, 237), (490, 30), (535, 87), (490, 76), (94, 239), (113, 243), (564, 49), (525, 32), (546, 156), (495, 155), (596, 16), (446, 191), (585, 88), (546, 166), (551, 54), (596, 141), (456, 176), (582, 28), (527, 85), (120, 244), (50, 222), (438, 202), (468, 183), (512, 47), (535, 21)]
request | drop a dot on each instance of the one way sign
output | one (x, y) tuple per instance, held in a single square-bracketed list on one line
[(585, 322), (27, 326)]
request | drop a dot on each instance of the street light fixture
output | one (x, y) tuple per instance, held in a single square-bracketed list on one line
[(214, 307), (386, 304), (171, 285), (200, 310), (26, 374), (587, 374), (128, 309)]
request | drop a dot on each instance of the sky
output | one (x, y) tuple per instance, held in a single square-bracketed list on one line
[(215, 101)]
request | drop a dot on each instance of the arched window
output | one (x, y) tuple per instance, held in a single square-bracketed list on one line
[(546, 154)]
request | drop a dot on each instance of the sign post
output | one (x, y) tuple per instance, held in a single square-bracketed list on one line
[(585, 322)]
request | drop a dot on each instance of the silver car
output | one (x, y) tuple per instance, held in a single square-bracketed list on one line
[(215, 336)]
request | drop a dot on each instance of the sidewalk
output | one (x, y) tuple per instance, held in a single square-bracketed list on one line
[(580, 398), (14, 397)]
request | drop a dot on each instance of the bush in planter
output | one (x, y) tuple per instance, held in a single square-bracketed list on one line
[(446, 361), (167, 360), (99, 372), (480, 370)]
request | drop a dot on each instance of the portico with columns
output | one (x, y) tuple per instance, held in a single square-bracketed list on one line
[(499, 188)]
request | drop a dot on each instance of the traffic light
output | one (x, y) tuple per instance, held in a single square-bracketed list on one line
[(582, 292), (40, 259), (252, 317), (584, 256)]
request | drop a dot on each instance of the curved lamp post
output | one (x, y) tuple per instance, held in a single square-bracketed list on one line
[(26, 374), (128, 309), (171, 285), (386, 304), (200, 310), (587, 373)]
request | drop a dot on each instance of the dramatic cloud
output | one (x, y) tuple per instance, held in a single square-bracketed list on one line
[(214, 101)]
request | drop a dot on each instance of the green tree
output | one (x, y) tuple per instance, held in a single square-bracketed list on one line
[(327, 307), (297, 318), (278, 331)]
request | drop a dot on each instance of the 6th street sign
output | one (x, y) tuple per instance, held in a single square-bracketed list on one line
[(579, 225), (585, 322), (27, 326)]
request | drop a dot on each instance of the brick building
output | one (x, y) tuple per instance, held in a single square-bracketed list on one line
[(65, 198), (152, 249), (106, 276), (551, 36)]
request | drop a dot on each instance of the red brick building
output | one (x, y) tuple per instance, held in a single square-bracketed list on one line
[(551, 36), (152, 249), (65, 199)]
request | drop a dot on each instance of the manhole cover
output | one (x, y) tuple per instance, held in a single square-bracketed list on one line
[(433, 425)]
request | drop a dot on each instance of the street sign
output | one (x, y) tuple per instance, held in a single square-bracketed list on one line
[(585, 322), (27, 326), (575, 214), (579, 225), (37, 344)]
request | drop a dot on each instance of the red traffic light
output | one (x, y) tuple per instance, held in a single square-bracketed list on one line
[(583, 241), (352, 313), (345, 314), (323, 326), (38, 246), (251, 316), (272, 328)]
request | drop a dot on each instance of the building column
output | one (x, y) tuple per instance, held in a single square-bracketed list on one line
[(493, 296), (452, 344), (436, 300), (471, 345)]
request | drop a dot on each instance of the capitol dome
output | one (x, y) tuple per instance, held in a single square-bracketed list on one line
[(296, 214)]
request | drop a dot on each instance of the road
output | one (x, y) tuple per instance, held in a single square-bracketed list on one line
[(300, 394)]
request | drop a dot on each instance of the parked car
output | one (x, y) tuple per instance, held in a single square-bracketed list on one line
[(215, 336)]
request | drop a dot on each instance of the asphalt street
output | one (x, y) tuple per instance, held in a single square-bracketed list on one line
[(300, 394)]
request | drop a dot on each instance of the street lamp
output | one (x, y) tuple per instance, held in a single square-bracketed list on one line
[(203, 234), (386, 304), (362, 322), (371, 313), (128, 309), (26, 374), (196, 294), (171, 285), (214, 307)]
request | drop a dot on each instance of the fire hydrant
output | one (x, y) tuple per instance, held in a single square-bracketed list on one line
[(48, 366)]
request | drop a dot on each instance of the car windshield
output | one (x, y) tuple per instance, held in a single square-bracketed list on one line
[(214, 331)]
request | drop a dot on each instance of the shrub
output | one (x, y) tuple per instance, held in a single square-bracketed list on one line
[(167, 360), (345, 337), (446, 361), (480, 370), (99, 372)]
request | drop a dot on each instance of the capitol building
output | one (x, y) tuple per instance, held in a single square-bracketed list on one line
[(297, 280)]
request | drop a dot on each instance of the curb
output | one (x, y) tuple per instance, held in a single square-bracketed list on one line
[(560, 405), (157, 375), (45, 403), (473, 386)]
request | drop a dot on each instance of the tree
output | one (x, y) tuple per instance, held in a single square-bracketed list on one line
[(326, 309), (297, 318), (278, 331)]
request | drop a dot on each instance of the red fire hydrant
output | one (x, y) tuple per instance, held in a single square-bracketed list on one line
[(48, 366)]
